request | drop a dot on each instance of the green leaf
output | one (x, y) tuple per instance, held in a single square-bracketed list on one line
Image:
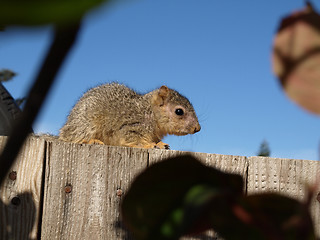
[(192, 215), (33, 12), (174, 197)]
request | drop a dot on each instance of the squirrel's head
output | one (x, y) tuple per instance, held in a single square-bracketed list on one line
[(174, 113)]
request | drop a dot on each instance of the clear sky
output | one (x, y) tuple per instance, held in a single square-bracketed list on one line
[(216, 53)]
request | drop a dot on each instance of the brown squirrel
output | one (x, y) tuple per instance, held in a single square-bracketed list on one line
[(114, 114)]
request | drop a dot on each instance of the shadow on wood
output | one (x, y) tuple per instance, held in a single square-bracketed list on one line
[(20, 218)]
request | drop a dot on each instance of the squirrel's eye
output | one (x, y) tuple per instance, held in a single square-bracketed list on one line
[(179, 111)]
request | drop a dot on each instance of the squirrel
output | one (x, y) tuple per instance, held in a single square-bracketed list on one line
[(114, 114)]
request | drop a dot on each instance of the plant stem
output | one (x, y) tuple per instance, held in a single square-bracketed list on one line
[(64, 38)]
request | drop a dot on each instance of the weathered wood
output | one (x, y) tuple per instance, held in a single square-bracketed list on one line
[(73, 191), (227, 163), (20, 195), (97, 176), (289, 177)]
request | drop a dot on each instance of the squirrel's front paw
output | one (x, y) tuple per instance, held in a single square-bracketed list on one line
[(159, 145), (93, 141), (162, 145)]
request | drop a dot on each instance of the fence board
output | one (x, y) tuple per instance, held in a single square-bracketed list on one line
[(96, 178), (97, 175), (20, 199), (227, 163), (290, 177)]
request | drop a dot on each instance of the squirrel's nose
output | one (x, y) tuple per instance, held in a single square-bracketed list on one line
[(197, 128)]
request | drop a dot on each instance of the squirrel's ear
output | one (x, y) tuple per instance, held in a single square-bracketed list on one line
[(164, 91), (160, 97)]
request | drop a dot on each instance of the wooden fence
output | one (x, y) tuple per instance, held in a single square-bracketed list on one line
[(68, 191)]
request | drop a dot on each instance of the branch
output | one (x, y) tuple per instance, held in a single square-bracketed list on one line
[(64, 37)]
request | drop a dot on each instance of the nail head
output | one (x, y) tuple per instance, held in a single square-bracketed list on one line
[(68, 189), (13, 175)]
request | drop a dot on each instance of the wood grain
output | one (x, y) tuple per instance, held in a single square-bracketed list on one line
[(98, 177), (290, 177), (73, 191), (21, 197)]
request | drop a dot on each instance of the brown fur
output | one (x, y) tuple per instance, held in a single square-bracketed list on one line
[(114, 114)]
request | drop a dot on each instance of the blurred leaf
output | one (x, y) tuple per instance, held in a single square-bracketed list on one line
[(191, 216), (267, 216), (6, 75), (34, 12), (296, 58), (20, 101), (174, 197)]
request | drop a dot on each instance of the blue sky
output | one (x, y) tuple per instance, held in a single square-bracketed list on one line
[(216, 53)]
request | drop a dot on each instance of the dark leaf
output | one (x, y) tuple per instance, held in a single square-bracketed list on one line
[(174, 197), (266, 216)]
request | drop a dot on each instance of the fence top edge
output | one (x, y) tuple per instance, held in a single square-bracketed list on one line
[(54, 139)]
